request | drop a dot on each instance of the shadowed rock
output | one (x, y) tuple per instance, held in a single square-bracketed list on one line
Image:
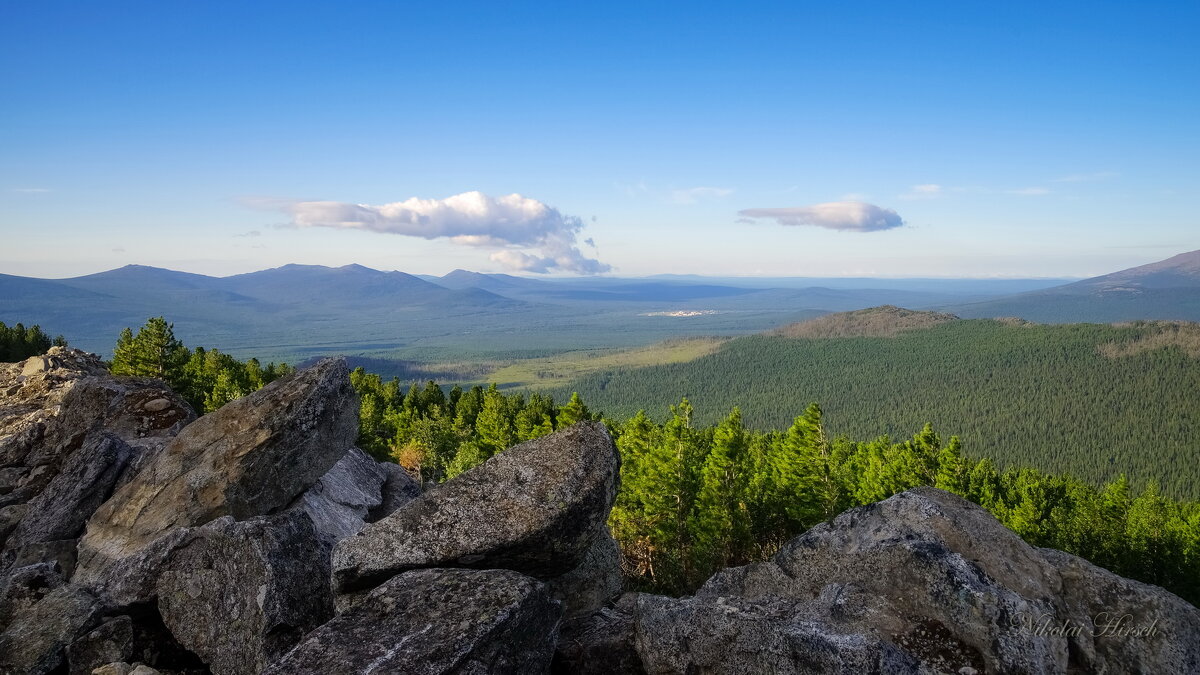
[(252, 457), (601, 643), (240, 594), (62, 509), (534, 508), (433, 621), (37, 635), (596, 580), (924, 580)]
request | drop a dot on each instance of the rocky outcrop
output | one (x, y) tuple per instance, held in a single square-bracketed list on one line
[(240, 594), (921, 582), (252, 457), (535, 508), (436, 621), (69, 433), (62, 509)]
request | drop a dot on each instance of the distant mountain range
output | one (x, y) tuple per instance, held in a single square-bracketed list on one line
[(1168, 289), (299, 311)]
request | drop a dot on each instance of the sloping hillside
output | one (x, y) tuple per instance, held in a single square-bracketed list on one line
[(1168, 289), (882, 321)]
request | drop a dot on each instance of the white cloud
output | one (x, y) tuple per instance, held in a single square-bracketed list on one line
[(1087, 177), (696, 194), (471, 219), (1029, 191), (923, 191), (846, 216)]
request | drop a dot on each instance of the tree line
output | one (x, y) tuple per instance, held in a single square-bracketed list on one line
[(18, 343)]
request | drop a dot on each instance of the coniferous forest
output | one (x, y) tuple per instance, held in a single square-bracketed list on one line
[(1092, 400)]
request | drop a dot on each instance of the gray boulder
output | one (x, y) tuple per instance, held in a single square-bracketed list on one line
[(24, 587), (37, 635), (534, 508), (342, 500), (84, 482), (240, 594), (51, 405), (924, 581), (254, 456), (434, 621)]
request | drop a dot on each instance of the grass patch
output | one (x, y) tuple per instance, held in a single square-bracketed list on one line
[(559, 369)]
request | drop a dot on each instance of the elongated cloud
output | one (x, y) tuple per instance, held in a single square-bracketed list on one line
[(472, 219), (847, 216)]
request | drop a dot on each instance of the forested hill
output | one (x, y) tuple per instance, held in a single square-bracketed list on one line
[(1090, 399), (872, 322)]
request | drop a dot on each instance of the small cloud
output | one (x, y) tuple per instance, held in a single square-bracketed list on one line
[(590, 242), (1029, 191), (923, 191), (635, 190), (696, 194), (251, 233), (845, 216), (118, 250), (471, 219), (1087, 177)]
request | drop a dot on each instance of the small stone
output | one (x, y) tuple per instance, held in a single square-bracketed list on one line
[(156, 405)]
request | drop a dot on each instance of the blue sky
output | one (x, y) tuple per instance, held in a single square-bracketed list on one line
[(955, 139)]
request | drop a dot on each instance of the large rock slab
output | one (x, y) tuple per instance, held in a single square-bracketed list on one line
[(252, 457), (923, 581), (240, 594), (342, 500), (435, 621), (534, 508), (62, 509)]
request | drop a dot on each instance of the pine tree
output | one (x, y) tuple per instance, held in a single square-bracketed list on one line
[(720, 518), (574, 411)]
